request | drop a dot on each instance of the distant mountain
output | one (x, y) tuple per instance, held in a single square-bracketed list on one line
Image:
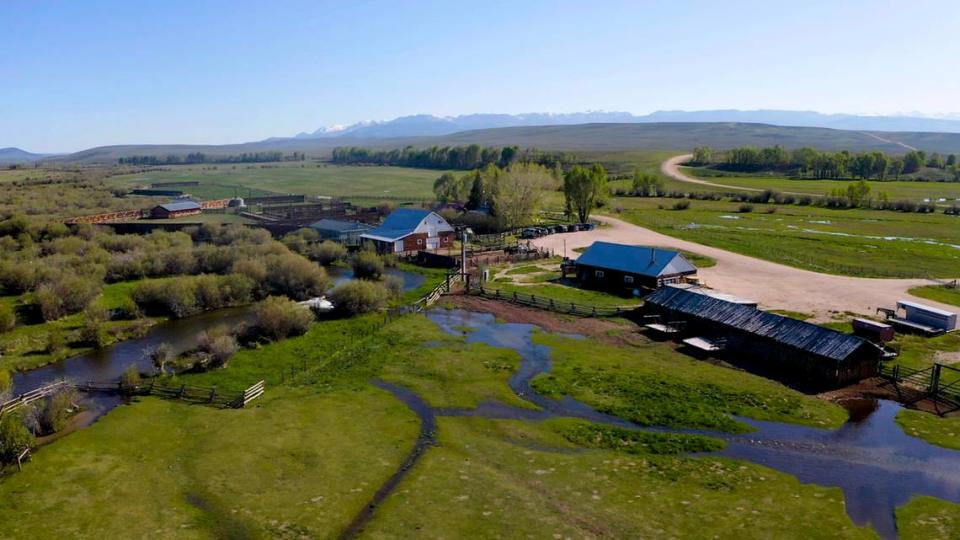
[(16, 155), (425, 125), (580, 138)]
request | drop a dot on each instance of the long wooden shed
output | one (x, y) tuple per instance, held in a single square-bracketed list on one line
[(797, 352)]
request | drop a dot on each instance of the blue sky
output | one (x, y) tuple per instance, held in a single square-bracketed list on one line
[(81, 74)]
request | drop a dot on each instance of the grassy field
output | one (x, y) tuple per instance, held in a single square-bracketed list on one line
[(896, 190), (308, 178), (514, 480), (939, 293), (298, 464), (310, 453), (655, 385), (867, 243)]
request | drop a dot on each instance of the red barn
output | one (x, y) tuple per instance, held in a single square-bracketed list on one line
[(411, 229)]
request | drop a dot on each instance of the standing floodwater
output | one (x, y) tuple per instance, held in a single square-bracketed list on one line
[(108, 363), (870, 458)]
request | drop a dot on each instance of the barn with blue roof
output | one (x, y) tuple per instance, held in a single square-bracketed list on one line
[(621, 267), (411, 229)]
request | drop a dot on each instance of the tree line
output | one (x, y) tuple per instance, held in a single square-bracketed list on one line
[(449, 157), (812, 163), (194, 158), (513, 196)]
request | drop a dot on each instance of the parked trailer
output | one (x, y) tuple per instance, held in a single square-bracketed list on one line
[(921, 316), (873, 330)]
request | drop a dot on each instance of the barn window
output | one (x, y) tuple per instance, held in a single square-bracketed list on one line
[(598, 273), (628, 279), (419, 241)]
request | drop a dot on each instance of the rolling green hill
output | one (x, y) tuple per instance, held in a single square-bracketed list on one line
[(680, 136)]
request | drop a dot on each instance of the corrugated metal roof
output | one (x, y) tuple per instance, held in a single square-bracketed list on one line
[(402, 222), (794, 333), (339, 225), (181, 205), (642, 260)]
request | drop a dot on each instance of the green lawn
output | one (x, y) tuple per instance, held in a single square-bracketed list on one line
[(927, 518), (309, 179), (867, 243), (938, 293), (934, 429), (896, 190)]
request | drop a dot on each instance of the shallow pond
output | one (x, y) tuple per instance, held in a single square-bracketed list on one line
[(411, 280), (870, 458)]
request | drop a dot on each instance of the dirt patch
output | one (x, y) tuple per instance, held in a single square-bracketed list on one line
[(614, 332), (879, 388)]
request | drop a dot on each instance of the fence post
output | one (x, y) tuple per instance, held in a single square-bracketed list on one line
[(213, 393)]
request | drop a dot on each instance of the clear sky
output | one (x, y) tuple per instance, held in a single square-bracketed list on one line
[(76, 74)]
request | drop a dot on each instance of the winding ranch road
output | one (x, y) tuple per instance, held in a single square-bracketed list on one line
[(671, 168), (774, 286)]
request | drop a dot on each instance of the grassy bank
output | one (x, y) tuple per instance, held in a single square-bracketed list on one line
[(934, 429), (29, 345), (857, 242), (938, 293), (926, 518)]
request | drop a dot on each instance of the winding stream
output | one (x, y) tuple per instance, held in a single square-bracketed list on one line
[(870, 458)]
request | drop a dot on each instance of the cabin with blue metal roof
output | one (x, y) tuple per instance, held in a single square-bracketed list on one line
[(411, 229), (626, 268)]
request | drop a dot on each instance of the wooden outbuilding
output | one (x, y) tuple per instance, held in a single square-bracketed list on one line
[(176, 209), (799, 353)]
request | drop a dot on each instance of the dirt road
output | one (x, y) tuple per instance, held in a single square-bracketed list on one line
[(671, 168), (773, 285)]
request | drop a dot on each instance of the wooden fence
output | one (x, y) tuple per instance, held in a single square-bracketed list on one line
[(550, 304), (29, 397), (210, 395)]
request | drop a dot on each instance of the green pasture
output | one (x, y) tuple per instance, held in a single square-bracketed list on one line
[(309, 178), (915, 191), (856, 242)]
